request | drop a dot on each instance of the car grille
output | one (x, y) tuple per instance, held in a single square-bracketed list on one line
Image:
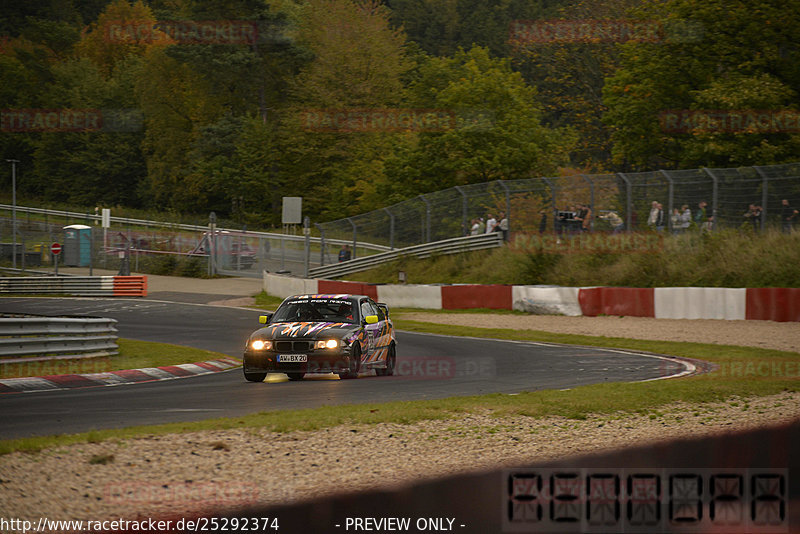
[(293, 346)]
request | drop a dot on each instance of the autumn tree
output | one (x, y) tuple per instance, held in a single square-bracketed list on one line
[(741, 56)]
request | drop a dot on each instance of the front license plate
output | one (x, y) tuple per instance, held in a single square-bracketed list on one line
[(292, 358)]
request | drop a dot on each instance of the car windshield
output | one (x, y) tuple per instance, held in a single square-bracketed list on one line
[(315, 310)]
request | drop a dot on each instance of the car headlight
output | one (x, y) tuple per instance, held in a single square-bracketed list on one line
[(259, 344), (326, 344)]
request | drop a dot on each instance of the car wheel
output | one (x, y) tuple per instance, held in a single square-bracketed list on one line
[(353, 364), (255, 377), (295, 376), (391, 358)]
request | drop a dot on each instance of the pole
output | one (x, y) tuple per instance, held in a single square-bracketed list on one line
[(307, 232), (13, 163)]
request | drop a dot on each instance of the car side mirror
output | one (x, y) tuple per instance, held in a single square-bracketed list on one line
[(264, 319), (371, 319)]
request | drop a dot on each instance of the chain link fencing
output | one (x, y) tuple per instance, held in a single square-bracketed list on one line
[(619, 202), (547, 204)]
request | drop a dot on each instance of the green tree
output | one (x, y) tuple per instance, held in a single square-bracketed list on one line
[(499, 134), (732, 56)]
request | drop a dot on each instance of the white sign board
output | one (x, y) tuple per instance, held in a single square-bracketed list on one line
[(292, 210), (106, 218)]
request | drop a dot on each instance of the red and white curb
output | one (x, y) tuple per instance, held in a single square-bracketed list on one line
[(115, 378)]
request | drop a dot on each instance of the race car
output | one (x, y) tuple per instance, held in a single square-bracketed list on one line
[(343, 334)]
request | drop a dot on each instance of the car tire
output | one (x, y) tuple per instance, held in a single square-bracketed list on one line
[(353, 364), (295, 376), (254, 377), (391, 360)]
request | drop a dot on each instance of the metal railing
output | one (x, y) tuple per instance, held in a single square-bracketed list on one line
[(47, 338), (447, 246)]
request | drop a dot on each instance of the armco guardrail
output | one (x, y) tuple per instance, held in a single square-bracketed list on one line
[(447, 246), (24, 339), (76, 286)]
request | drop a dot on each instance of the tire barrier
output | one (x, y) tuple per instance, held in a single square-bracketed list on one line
[(75, 286), (770, 304)]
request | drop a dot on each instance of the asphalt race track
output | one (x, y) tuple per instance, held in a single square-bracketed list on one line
[(432, 367)]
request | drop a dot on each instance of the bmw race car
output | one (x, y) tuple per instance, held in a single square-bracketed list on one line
[(343, 334)]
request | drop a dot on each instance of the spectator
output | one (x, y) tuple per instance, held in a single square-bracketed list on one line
[(584, 217), (708, 225), (481, 226), (502, 226), (685, 218), (661, 218), (675, 220), (753, 214), (543, 221), (475, 229), (616, 222), (651, 219), (491, 222), (701, 216), (788, 216), (344, 253)]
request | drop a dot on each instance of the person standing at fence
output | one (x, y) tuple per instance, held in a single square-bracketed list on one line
[(502, 226), (651, 219), (474, 228), (700, 215), (685, 219), (584, 217), (491, 222), (788, 216), (344, 254), (616, 222), (661, 217), (753, 214)]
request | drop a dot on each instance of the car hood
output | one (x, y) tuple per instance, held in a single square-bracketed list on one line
[(313, 330)]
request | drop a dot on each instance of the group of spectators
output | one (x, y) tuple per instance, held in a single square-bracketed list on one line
[(789, 216), (573, 220), (500, 224), (681, 218)]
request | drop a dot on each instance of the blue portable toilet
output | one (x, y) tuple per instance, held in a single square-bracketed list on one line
[(77, 245)]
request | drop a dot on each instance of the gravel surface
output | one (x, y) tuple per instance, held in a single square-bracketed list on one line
[(178, 475), (761, 334), (181, 474)]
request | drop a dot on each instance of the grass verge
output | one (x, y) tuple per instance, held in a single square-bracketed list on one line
[(133, 354), (267, 301), (577, 403)]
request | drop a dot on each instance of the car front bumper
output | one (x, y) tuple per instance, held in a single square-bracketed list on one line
[(318, 361)]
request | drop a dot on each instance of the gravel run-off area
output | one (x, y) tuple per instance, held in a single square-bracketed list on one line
[(200, 472)]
